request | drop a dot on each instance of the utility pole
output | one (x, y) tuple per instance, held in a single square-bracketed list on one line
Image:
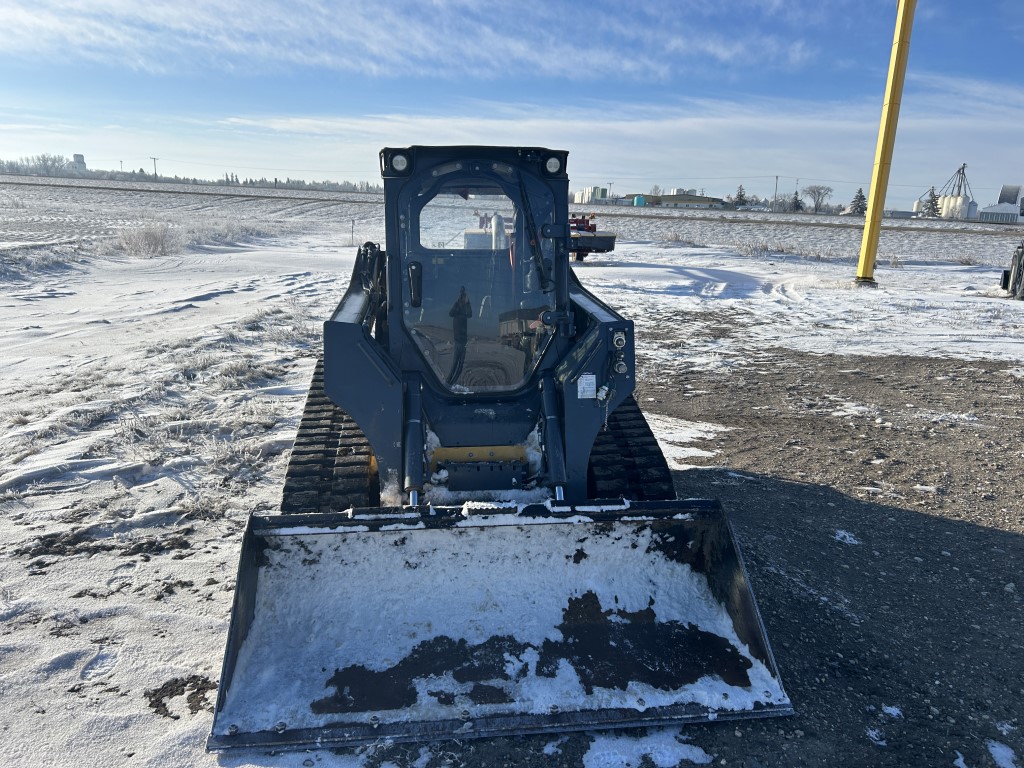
[(886, 141), (154, 159), (122, 165), (775, 200)]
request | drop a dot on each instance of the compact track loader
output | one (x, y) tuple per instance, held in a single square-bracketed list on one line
[(479, 534), (1013, 278)]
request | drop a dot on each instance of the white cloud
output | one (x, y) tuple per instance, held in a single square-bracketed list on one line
[(964, 95), (397, 38)]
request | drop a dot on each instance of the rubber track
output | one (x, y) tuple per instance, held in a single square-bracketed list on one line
[(331, 466), (626, 460)]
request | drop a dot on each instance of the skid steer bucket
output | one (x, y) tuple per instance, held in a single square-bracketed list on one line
[(415, 624)]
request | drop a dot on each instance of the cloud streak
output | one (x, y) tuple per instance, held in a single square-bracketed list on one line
[(402, 37)]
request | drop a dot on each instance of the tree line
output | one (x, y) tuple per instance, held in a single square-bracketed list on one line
[(814, 197), (59, 166)]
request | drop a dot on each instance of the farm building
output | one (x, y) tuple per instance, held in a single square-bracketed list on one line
[(590, 195), (681, 199), (1009, 209)]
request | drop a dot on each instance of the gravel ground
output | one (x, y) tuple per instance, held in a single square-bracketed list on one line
[(879, 506)]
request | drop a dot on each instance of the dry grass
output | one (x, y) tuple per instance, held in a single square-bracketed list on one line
[(174, 235), (19, 263)]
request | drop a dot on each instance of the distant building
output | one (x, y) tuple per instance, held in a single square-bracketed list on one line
[(589, 195), (955, 199), (78, 164), (686, 199), (960, 207), (1009, 209), (1010, 193), (1001, 213)]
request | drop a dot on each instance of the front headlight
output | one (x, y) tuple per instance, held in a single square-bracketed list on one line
[(399, 162)]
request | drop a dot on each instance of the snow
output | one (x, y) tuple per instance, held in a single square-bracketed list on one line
[(1003, 756), (664, 748), (147, 407), (555, 747), (676, 435), (845, 537), (876, 736)]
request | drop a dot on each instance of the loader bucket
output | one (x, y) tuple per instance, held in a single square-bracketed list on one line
[(417, 624)]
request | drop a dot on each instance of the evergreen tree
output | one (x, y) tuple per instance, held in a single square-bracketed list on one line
[(931, 205), (796, 204), (859, 205), (741, 197)]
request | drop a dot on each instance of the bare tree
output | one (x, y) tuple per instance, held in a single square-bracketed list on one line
[(49, 165), (818, 194), (656, 190)]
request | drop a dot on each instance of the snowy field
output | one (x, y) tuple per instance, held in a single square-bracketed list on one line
[(157, 349)]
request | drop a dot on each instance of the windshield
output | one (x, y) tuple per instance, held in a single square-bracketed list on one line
[(474, 286)]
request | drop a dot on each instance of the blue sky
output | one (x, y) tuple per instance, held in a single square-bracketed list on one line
[(708, 95)]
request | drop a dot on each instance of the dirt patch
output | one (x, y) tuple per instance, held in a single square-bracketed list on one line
[(929, 435), (194, 688), (81, 541)]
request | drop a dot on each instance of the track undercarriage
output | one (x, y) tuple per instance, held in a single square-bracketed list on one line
[(332, 468)]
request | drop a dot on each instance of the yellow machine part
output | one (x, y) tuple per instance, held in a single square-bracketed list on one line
[(468, 454)]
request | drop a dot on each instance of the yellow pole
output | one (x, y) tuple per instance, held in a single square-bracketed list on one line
[(886, 140)]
